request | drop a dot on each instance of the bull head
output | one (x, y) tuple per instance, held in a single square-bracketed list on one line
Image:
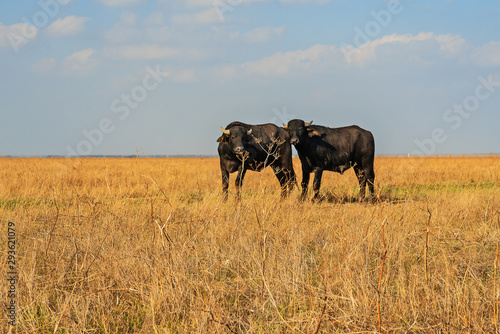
[(228, 132), (310, 131), (225, 136)]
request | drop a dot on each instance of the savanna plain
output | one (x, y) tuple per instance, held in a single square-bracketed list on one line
[(142, 245)]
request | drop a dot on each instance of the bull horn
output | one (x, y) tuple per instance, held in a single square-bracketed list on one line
[(308, 123), (249, 132), (285, 126), (224, 131)]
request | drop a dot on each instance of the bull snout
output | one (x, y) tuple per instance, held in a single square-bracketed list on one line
[(294, 141), (239, 149)]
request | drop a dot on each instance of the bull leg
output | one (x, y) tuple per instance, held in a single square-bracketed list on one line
[(370, 178), (239, 180), (225, 183), (285, 162), (291, 179), (282, 178), (318, 174), (360, 174), (305, 182)]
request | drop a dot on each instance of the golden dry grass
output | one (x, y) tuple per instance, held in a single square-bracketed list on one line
[(145, 246)]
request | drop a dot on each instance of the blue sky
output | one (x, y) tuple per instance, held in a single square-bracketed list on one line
[(159, 77)]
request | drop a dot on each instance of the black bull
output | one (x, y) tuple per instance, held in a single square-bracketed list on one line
[(245, 147), (334, 149)]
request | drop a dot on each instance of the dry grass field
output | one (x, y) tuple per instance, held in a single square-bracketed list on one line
[(145, 246)]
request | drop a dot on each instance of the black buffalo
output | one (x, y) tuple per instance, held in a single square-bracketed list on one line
[(245, 147), (335, 149)]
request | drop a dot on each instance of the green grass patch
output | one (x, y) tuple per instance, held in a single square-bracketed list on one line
[(419, 191)]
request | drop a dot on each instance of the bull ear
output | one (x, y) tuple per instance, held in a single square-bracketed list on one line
[(313, 133), (308, 124), (249, 132), (222, 139)]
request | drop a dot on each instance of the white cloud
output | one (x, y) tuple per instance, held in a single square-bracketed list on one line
[(395, 38), (181, 75), (452, 45), (366, 52), (209, 15), (263, 34), (320, 2), (199, 3), (185, 76), (44, 66), (122, 33), (17, 35), (225, 73), (141, 52), (156, 18), (67, 26), (281, 63), (212, 3), (79, 63), (130, 30), (161, 34), (487, 55), (424, 42), (387, 48), (128, 18), (121, 3)]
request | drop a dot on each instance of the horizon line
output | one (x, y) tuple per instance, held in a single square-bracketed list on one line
[(156, 156)]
